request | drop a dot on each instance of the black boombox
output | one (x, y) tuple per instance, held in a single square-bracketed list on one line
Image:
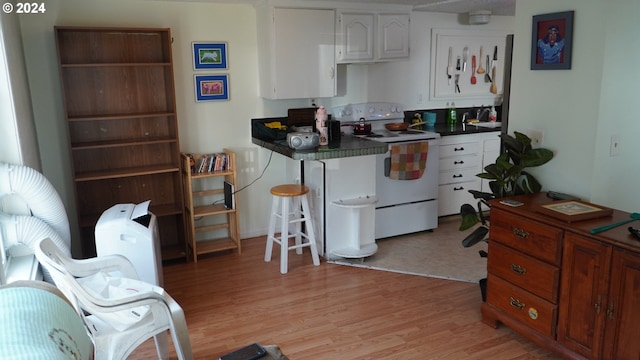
[(303, 140)]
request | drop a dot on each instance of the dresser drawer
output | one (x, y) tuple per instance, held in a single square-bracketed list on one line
[(523, 306), (541, 241), (460, 149), (524, 271)]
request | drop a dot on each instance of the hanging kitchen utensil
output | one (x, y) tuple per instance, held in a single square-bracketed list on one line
[(473, 70), (457, 83), (458, 63), (465, 56), (487, 77), (634, 217), (480, 68), (450, 65), (493, 88), (495, 56)]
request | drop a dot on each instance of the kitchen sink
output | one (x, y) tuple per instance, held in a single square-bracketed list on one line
[(490, 124)]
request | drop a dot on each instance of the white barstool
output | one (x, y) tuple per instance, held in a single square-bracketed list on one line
[(297, 194)]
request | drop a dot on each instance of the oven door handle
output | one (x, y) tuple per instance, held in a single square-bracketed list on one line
[(387, 166)]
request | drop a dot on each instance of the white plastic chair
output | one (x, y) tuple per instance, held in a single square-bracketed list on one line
[(118, 321)]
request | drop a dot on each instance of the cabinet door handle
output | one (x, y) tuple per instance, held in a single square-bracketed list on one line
[(458, 149), (516, 303), (518, 269), (597, 304), (520, 233), (457, 176), (610, 311), (458, 162)]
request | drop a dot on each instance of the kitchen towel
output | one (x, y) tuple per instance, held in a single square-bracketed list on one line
[(408, 161)]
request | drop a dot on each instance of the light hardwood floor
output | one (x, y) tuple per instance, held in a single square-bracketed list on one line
[(331, 311)]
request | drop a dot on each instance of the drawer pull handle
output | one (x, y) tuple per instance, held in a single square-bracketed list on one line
[(597, 304), (458, 149), (520, 233), (458, 162), (516, 303), (458, 188), (457, 176), (518, 269)]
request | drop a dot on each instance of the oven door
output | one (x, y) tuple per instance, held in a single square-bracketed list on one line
[(394, 192)]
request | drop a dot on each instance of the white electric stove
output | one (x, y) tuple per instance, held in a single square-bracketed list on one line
[(404, 206)]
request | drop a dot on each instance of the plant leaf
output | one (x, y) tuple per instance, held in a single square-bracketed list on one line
[(469, 217), (475, 237)]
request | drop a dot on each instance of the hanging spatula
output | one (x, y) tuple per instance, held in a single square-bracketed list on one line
[(493, 88), (480, 68), (473, 70), (487, 77)]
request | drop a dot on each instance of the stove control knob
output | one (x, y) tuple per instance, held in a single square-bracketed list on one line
[(372, 110)]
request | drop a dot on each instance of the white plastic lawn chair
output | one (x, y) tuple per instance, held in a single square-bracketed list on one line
[(119, 311)]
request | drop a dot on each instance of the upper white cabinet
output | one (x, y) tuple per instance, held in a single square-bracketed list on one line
[(296, 52), (367, 36)]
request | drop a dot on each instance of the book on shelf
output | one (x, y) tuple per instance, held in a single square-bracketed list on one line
[(209, 163)]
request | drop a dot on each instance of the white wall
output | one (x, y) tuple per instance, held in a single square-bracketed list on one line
[(579, 109)]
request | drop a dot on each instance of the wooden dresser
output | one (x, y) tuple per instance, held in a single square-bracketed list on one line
[(563, 288)]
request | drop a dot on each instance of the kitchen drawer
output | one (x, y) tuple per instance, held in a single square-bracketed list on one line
[(530, 237), (461, 162), (523, 306), (452, 196), (457, 176), (524, 271), (460, 149)]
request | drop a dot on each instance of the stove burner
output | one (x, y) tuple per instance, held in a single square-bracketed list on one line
[(374, 135)]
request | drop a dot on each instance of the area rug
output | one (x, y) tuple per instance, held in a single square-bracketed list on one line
[(438, 253)]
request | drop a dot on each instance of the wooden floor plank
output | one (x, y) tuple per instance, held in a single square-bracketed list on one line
[(331, 311)]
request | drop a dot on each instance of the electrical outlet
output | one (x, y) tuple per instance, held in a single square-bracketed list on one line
[(614, 145), (313, 102), (536, 137)]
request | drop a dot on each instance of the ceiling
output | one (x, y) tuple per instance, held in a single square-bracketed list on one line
[(497, 7)]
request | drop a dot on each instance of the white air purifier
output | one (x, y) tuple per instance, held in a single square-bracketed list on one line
[(130, 230)]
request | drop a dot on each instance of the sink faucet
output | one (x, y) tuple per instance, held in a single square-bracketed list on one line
[(464, 117), (481, 113)]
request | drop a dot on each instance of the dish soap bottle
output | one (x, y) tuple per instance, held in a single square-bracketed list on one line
[(493, 115), (452, 116)]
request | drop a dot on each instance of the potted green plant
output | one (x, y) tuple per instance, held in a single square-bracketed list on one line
[(507, 177)]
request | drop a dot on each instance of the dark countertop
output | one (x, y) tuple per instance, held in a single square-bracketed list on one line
[(446, 130), (349, 146)]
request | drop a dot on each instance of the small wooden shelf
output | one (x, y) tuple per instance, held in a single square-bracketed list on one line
[(210, 226)]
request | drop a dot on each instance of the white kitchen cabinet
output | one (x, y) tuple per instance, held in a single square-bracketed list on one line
[(370, 37), (393, 36), (462, 157), (296, 52), (491, 151)]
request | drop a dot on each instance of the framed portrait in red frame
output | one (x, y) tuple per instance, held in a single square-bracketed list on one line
[(551, 41)]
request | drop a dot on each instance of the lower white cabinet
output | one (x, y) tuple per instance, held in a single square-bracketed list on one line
[(462, 157)]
